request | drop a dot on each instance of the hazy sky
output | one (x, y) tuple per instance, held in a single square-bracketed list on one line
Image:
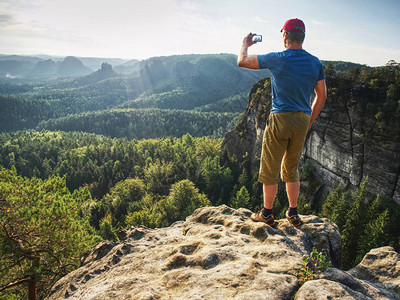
[(362, 31)]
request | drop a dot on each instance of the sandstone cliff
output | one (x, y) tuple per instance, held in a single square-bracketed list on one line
[(346, 144), (218, 253)]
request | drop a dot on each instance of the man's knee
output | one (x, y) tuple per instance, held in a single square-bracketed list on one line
[(268, 180), (291, 176)]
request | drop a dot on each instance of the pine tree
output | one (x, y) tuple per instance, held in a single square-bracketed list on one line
[(243, 179), (107, 231), (42, 235), (353, 227), (374, 235), (335, 207), (242, 199)]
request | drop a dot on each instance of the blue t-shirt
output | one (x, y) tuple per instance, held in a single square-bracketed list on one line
[(295, 73)]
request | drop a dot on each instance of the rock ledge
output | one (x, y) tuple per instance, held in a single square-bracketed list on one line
[(219, 253)]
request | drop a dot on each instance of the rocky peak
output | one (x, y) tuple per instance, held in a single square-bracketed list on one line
[(104, 72), (106, 68), (219, 253)]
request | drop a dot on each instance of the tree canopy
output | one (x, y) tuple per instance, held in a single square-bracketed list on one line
[(42, 234)]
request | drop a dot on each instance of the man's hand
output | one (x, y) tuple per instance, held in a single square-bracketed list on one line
[(248, 40), (243, 60)]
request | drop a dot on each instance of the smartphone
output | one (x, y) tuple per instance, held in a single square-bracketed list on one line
[(257, 38)]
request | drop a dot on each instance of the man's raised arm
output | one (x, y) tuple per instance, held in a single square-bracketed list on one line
[(243, 60)]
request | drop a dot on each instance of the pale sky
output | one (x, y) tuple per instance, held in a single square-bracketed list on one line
[(360, 31)]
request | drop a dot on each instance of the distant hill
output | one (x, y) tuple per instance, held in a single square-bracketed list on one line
[(208, 83), (189, 81), (341, 66), (45, 68), (32, 66), (14, 68), (54, 89), (21, 58), (71, 66), (17, 65), (130, 67)]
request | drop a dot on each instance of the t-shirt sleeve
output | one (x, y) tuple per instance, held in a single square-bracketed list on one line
[(267, 61)]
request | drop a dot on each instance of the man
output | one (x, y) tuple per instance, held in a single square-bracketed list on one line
[(296, 74)]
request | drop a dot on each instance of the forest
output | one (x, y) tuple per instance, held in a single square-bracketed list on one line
[(82, 159), (173, 85), (138, 123)]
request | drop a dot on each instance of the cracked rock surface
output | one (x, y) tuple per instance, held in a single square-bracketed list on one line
[(219, 253)]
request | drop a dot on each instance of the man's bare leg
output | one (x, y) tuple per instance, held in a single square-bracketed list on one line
[(269, 195), (265, 215), (292, 190)]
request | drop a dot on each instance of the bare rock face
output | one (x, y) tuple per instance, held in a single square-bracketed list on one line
[(345, 145), (219, 253)]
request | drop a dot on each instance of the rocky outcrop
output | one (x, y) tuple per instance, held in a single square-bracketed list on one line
[(346, 143), (106, 71), (218, 253), (246, 139)]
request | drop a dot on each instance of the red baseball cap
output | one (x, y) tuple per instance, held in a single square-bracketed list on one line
[(295, 25)]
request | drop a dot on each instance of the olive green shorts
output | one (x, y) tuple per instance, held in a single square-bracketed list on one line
[(282, 146)]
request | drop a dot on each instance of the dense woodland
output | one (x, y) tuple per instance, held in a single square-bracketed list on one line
[(138, 123), (83, 158)]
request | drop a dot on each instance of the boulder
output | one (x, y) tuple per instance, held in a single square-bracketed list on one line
[(380, 266)]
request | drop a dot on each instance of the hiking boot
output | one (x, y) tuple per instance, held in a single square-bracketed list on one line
[(258, 217), (294, 220)]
